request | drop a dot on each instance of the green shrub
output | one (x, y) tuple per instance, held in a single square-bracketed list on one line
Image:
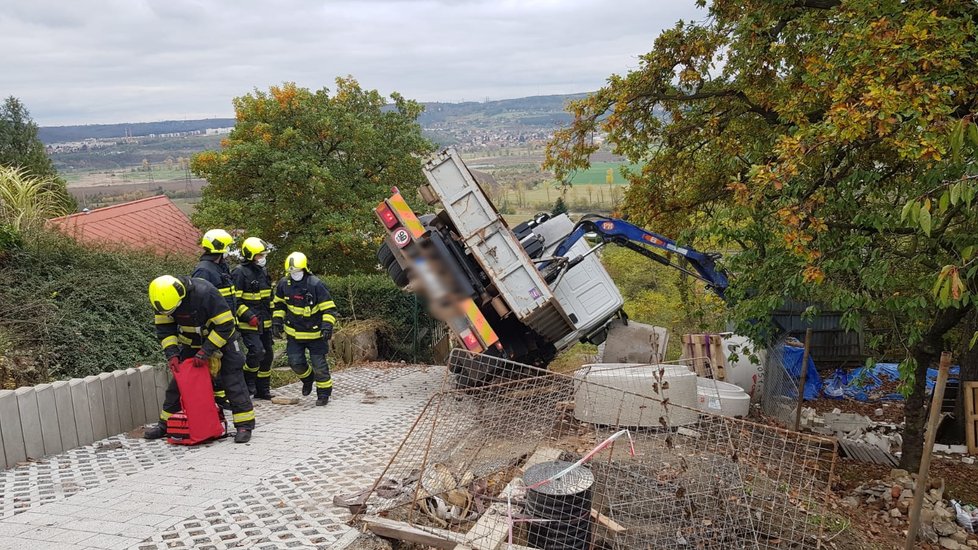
[(10, 239), (73, 311), (407, 327), (661, 296)]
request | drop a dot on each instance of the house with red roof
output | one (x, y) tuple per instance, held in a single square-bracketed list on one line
[(154, 224)]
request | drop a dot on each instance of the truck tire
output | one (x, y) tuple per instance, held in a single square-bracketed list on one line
[(398, 275), (385, 255), (471, 376)]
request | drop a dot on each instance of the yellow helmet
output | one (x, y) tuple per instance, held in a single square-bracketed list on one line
[(296, 260), (216, 241), (251, 247), (165, 293)]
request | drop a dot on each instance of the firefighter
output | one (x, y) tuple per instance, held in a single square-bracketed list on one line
[(213, 268), (253, 290), (304, 310), (193, 321)]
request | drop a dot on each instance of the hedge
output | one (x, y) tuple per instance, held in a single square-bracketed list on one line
[(71, 311), (407, 327)]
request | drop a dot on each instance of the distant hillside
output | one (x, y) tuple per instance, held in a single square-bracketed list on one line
[(60, 134), (542, 112)]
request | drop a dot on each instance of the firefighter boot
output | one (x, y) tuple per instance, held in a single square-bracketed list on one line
[(322, 397), (307, 385), (262, 389), (243, 435), (156, 432)]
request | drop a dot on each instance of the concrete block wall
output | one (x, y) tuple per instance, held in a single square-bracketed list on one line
[(51, 418)]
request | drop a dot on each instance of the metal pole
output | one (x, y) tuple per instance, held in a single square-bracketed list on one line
[(801, 381), (935, 415)]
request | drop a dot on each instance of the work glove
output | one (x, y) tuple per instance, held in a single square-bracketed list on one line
[(278, 328), (328, 332), (253, 321), (174, 363), (201, 360)]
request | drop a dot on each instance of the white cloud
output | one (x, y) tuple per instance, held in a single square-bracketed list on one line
[(88, 61)]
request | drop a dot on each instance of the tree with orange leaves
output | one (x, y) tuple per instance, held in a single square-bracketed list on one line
[(304, 169), (830, 145)]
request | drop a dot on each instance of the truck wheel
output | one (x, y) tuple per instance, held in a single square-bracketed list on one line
[(470, 376), (385, 255), (398, 275)]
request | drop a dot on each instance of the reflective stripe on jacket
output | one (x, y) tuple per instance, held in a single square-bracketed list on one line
[(253, 290), (202, 320), (306, 307)]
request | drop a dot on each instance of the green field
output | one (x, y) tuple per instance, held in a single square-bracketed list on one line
[(82, 178), (579, 198), (187, 206), (598, 172)]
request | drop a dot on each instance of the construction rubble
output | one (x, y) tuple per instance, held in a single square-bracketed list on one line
[(891, 499), (886, 436)]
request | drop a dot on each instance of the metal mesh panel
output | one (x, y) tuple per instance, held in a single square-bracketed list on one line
[(779, 397), (478, 467)]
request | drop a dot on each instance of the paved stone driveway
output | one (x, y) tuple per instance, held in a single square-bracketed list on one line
[(274, 492)]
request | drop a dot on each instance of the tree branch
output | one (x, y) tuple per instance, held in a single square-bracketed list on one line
[(771, 117), (818, 4), (873, 230)]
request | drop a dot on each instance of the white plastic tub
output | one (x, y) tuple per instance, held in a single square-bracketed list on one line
[(723, 398), (624, 394)]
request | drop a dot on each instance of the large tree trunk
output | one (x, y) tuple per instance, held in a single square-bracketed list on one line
[(926, 354)]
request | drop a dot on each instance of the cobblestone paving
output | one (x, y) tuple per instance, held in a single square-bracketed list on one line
[(275, 492)]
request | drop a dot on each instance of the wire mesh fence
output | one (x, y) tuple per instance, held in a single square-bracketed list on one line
[(603, 458), (779, 397)]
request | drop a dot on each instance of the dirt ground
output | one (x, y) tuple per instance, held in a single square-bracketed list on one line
[(860, 528), (959, 478), (892, 410)]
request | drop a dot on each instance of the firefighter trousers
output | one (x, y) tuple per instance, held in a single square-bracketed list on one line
[(318, 348), (258, 361), (232, 380)]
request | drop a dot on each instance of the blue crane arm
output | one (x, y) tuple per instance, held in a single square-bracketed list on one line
[(613, 230)]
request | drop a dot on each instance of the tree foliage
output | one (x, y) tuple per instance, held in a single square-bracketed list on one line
[(19, 144), (21, 149), (817, 139), (560, 207), (304, 169), (74, 310)]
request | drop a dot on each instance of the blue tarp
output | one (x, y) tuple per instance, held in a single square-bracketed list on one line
[(864, 383), (792, 363)]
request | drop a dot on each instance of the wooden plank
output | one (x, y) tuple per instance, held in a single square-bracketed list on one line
[(607, 522), (717, 357), (428, 536), (409, 533), (491, 529), (705, 353), (971, 416), (698, 354)]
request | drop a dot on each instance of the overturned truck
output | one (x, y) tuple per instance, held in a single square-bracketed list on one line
[(523, 294)]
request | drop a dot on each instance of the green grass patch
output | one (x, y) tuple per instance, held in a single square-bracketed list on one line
[(598, 174)]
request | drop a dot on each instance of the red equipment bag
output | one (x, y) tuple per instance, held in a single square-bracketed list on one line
[(199, 421)]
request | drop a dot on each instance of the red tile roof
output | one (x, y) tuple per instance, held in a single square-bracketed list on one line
[(154, 224)]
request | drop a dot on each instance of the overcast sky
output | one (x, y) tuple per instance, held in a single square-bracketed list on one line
[(105, 61)]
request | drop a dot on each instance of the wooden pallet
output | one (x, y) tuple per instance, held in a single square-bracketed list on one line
[(864, 452), (970, 390), (706, 353)]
